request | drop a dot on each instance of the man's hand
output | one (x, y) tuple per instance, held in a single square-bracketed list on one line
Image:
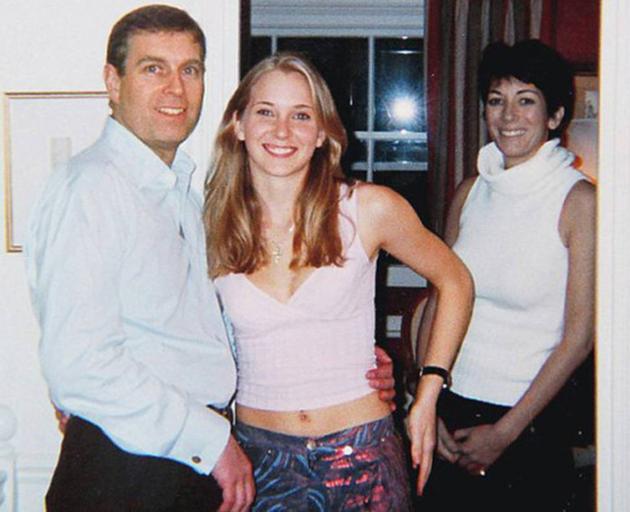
[(479, 447), (62, 419), (233, 472), (382, 377)]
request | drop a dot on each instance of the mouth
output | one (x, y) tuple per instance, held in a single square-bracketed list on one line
[(171, 111), (279, 151), (511, 133)]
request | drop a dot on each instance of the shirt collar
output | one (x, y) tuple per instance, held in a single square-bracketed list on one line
[(143, 166)]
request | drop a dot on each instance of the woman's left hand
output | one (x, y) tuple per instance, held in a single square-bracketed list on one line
[(421, 429), (479, 447)]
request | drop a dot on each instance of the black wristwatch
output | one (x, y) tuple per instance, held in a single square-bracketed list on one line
[(436, 370)]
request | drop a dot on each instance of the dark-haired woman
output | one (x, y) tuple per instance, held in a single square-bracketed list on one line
[(525, 227), (292, 246)]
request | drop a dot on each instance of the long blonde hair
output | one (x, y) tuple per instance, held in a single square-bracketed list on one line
[(232, 211)]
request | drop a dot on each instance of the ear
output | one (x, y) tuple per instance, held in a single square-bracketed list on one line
[(555, 120), (238, 128), (321, 137), (112, 83)]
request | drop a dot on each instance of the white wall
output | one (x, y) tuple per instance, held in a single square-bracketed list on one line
[(613, 310), (59, 45)]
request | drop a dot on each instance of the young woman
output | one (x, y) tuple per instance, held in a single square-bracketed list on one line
[(525, 227), (292, 245)]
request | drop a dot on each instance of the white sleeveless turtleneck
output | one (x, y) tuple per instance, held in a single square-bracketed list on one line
[(509, 239)]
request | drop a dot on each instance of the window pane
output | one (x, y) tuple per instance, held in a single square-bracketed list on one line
[(343, 64), (399, 85), (401, 151), (358, 175), (259, 48), (411, 185)]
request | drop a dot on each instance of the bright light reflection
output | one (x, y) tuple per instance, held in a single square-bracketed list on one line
[(404, 109)]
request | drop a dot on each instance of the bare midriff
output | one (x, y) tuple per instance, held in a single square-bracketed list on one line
[(316, 422)]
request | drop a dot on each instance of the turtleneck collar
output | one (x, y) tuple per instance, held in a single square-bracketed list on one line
[(525, 177)]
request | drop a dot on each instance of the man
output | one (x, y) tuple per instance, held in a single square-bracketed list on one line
[(133, 344)]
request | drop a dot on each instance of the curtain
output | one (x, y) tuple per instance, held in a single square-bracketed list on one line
[(456, 32)]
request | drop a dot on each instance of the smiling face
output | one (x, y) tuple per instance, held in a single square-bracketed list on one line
[(517, 119), (280, 126), (159, 96)]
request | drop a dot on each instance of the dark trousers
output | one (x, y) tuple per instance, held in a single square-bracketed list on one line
[(533, 474), (94, 475)]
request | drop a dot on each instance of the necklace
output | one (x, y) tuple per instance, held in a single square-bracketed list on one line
[(276, 246), (275, 251)]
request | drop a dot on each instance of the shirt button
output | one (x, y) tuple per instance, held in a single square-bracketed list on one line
[(196, 459), (310, 444), (347, 450)]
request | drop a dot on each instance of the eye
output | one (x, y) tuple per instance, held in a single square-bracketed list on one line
[(526, 100), (302, 116), (264, 112), (152, 69), (193, 71), (494, 101)]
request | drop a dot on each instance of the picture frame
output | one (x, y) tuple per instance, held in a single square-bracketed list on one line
[(586, 96), (42, 130), (582, 132)]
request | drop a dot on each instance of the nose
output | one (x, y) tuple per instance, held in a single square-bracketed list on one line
[(509, 111), (174, 84), (281, 127)]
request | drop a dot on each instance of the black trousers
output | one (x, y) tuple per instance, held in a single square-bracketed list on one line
[(534, 474), (94, 475)]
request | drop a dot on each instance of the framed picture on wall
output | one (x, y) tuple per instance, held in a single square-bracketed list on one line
[(582, 133), (586, 96), (42, 130)]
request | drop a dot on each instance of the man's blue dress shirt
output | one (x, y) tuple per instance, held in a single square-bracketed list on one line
[(132, 337)]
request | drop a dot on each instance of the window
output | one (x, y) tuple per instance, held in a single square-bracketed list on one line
[(372, 58)]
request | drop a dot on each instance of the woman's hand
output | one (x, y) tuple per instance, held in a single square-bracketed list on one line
[(480, 447), (447, 447), (421, 429)]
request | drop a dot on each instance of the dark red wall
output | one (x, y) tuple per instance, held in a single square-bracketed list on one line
[(576, 34)]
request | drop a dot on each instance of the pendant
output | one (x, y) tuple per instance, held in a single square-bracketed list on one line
[(275, 252)]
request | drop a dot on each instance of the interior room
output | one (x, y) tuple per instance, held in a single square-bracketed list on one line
[(54, 104), (387, 67)]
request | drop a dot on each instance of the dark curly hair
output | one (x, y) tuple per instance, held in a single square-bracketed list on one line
[(531, 62)]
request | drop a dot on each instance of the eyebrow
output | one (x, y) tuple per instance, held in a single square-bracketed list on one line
[(271, 104), (520, 91), (149, 58)]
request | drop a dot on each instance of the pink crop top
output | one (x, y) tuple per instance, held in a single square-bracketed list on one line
[(314, 350)]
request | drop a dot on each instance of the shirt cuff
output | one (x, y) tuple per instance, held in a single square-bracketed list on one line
[(202, 440)]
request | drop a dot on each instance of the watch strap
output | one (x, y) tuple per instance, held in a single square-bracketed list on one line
[(437, 370)]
